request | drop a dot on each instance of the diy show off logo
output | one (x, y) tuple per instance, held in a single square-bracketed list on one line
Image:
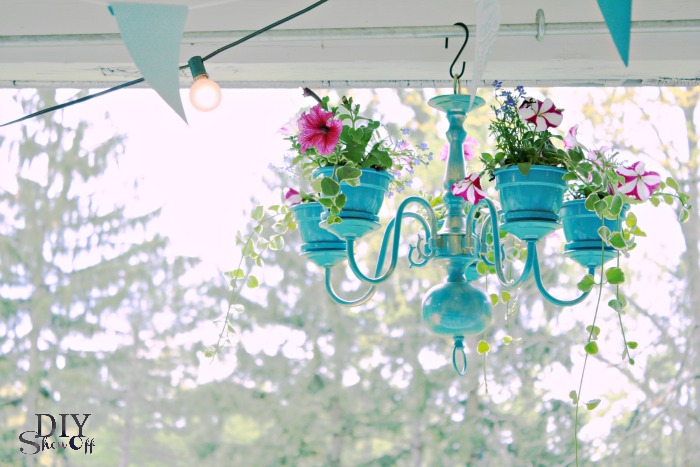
[(41, 439)]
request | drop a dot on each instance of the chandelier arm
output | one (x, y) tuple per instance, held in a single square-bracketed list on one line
[(360, 301), (498, 261), (423, 250), (531, 245), (394, 231), (483, 254)]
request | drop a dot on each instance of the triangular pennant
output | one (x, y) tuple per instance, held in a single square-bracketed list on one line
[(152, 34), (618, 17)]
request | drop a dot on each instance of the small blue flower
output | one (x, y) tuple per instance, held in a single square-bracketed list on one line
[(389, 194), (520, 90), (409, 182), (400, 188), (497, 84), (510, 102), (409, 170), (423, 146), (405, 131), (430, 156)]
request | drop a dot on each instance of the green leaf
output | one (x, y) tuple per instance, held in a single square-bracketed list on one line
[(618, 241), (482, 347), (276, 242), (252, 282), (494, 299), (505, 296), (590, 202), (340, 200), (672, 183), (258, 213), (507, 340), (570, 176), (668, 198), (654, 201), (524, 167), (617, 304), (236, 274), (631, 360), (616, 205), (591, 348), (326, 202), (329, 187), (574, 397), (615, 276), (316, 185), (482, 268), (586, 284), (592, 404), (347, 172), (632, 345), (594, 331), (604, 233), (631, 220), (210, 351)]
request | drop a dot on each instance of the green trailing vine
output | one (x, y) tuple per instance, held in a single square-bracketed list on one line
[(252, 248)]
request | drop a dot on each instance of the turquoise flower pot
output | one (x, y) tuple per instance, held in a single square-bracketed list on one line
[(363, 201), (530, 203), (320, 246), (584, 245)]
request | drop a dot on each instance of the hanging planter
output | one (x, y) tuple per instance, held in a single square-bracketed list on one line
[(363, 201), (320, 246), (584, 244), (530, 203), (359, 214)]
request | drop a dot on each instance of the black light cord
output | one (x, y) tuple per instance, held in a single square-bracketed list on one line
[(140, 80)]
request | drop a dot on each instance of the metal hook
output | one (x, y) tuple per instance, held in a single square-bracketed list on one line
[(466, 39)]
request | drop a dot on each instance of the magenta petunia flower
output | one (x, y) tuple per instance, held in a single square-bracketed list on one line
[(318, 129), (541, 114), (638, 183), (570, 138), (469, 189), (468, 148), (292, 197)]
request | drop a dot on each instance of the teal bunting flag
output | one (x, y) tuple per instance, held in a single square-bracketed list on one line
[(618, 17), (152, 33)]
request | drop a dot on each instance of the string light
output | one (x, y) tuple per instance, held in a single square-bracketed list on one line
[(205, 94), (140, 80)]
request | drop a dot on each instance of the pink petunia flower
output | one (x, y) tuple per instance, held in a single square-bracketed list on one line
[(469, 189), (639, 183), (468, 148), (570, 138), (541, 114), (318, 129), (292, 197)]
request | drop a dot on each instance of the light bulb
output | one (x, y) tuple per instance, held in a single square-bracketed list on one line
[(205, 94)]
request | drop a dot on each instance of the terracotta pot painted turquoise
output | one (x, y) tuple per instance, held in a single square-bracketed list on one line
[(584, 245), (363, 201), (320, 246), (530, 203), (308, 216), (537, 195)]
